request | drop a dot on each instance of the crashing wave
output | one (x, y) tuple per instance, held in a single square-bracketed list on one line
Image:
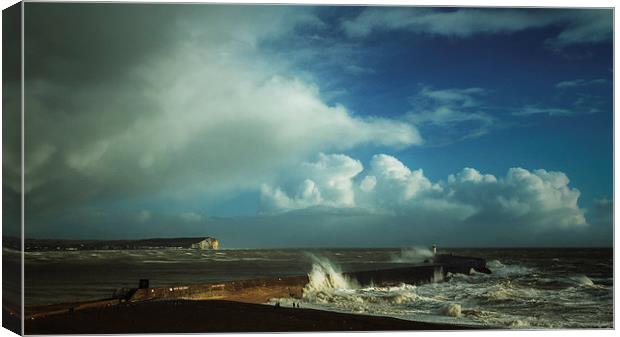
[(494, 264), (518, 323), (325, 276), (438, 275), (582, 280), (329, 286), (452, 310), (413, 255)]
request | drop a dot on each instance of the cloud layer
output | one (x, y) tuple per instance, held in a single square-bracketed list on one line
[(578, 26), (455, 113), (199, 109), (538, 200), (579, 83), (170, 116)]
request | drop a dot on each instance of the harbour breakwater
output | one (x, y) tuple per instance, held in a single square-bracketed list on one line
[(262, 290)]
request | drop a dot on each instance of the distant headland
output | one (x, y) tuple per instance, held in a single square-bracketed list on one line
[(202, 243)]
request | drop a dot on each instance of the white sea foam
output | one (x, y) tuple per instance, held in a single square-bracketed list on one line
[(437, 275), (494, 264), (518, 323), (413, 255), (328, 286), (500, 269), (326, 277), (451, 309), (582, 280), (510, 270)]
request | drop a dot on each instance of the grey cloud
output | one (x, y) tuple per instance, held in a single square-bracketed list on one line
[(588, 26), (601, 216), (578, 25), (335, 227), (86, 44), (191, 217), (550, 111), (569, 91), (87, 222), (358, 70), (579, 83), (523, 207), (458, 113), (11, 121), (583, 104), (171, 100), (143, 216)]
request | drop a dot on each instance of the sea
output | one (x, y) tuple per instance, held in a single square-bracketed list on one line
[(529, 288)]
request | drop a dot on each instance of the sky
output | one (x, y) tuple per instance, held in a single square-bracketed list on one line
[(318, 126)]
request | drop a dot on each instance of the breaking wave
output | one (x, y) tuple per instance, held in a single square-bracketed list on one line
[(526, 289), (475, 298), (329, 288), (494, 264), (325, 276), (500, 269), (437, 275), (582, 280), (328, 285), (413, 255), (452, 310)]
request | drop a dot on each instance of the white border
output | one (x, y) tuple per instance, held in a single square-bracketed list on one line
[(469, 3)]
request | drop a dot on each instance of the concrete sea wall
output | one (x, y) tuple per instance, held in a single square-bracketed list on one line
[(261, 290)]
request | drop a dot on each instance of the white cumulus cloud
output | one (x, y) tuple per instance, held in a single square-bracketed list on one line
[(534, 200), (328, 182)]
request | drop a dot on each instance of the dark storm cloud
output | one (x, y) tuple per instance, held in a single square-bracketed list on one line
[(133, 101), (11, 120), (78, 59), (85, 44)]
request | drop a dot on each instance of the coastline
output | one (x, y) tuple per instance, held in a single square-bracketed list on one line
[(375, 300), (235, 306), (191, 316)]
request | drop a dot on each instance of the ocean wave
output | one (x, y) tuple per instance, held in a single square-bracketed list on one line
[(518, 323), (582, 280), (327, 284), (413, 255), (507, 291), (494, 264), (452, 310), (520, 293), (511, 270), (500, 269), (325, 276)]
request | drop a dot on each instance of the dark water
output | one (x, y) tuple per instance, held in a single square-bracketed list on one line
[(529, 288)]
